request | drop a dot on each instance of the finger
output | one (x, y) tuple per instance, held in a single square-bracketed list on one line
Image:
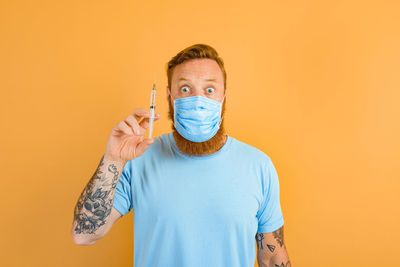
[(140, 113), (123, 127), (146, 121), (131, 121)]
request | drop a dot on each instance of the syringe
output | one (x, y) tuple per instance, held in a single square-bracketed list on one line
[(152, 108)]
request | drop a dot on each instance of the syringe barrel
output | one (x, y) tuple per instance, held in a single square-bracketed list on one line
[(152, 110)]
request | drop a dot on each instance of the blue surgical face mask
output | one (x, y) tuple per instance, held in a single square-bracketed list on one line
[(197, 118)]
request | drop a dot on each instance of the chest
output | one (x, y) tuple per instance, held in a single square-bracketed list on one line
[(208, 195)]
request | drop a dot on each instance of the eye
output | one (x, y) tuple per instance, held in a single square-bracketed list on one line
[(185, 89), (210, 90)]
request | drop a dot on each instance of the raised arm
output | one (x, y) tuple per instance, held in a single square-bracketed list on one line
[(94, 213), (271, 249)]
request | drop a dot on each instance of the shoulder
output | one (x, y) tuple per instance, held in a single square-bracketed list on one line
[(162, 139), (248, 151)]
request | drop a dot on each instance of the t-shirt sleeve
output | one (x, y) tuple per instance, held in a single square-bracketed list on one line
[(269, 215), (123, 191)]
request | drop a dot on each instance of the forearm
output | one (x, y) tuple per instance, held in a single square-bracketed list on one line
[(281, 260), (96, 200), (272, 249)]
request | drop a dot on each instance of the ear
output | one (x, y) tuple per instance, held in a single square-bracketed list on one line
[(226, 95), (167, 94)]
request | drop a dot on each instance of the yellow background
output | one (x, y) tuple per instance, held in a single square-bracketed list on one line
[(313, 84)]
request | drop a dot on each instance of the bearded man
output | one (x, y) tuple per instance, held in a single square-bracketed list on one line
[(200, 197)]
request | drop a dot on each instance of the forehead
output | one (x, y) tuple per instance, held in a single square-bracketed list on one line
[(199, 68)]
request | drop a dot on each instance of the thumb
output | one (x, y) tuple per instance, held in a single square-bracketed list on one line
[(143, 146)]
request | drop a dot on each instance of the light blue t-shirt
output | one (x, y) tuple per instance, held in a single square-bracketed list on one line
[(199, 211)]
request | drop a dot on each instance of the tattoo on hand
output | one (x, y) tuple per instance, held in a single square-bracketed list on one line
[(95, 204)]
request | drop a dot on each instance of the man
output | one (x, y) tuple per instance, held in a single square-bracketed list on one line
[(199, 196)]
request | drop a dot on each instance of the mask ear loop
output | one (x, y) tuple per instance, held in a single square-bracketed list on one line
[(173, 104), (222, 102)]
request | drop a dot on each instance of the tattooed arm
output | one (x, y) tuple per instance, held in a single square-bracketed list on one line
[(94, 212), (271, 249)]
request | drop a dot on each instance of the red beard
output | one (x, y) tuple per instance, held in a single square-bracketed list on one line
[(203, 148)]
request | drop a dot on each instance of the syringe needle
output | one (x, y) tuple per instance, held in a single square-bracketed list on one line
[(152, 107)]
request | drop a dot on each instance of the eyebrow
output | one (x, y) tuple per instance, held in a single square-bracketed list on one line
[(207, 80)]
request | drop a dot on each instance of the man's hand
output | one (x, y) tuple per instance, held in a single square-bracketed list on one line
[(126, 140), (271, 249)]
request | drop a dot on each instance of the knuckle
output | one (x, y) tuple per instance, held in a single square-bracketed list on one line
[(135, 124), (120, 124), (139, 110), (130, 119)]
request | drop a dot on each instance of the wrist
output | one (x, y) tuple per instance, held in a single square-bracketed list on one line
[(110, 158)]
